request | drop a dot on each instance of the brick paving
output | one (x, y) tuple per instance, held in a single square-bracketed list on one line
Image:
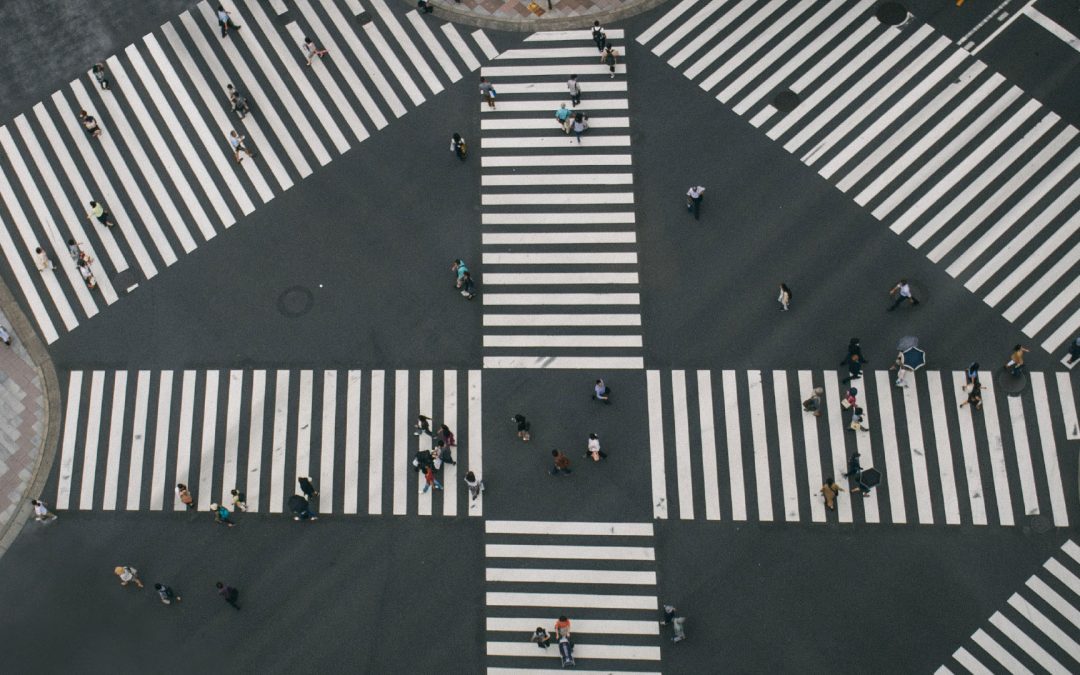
[(534, 15)]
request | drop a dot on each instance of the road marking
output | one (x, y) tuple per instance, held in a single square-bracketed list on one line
[(998, 652), (548, 123), (232, 436), (593, 218), (734, 446), (586, 600), (564, 552), (1005, 24), (555, 160), (352, 443), (327, 438), (1053, 599), (589, 258), (708, 445), (997, 457), (382, 47), (561, 299), (591, 626), (560, 528), (731, 63), (550, 53), (1029, 646), (566, 70), (718, 50), (557, 278), (582, 651), (161, 440), (1054, 27), (918, 450), (1068, 407), (568, 362), (1023, 456), (566, 35), (485, 45), (812, 449), (71, 429), (425, 442), (511, 199), (138, 440), (943, 446), (496, 238), (428, 39), (893, 478), (865, 447), (533, 179), (562, 341), (367, 63), (562, 319), (761, 446), (255, 438), (449, 418), (1044, 422), (556, 87), (279, 441), (788, 473), (37, 307), (116, 437), (1058, 303), (401, 441), (209, 440), (837, 442), (90, 444), (303, 428), (462, 49), (656, 444), (681, 426), (476, 436), (965, 659), (183, 439), (663, 22), (418, 61), (1040, 621), (562, 141)]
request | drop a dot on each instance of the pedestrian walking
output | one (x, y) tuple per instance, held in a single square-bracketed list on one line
[(301, 509), (167, 594), (87, 274), (184, 495), (678, 623), (239, 500), (523, 427), (426, 7), (784, 298), (436, 455), (601, 392), (5, 337), (854, 348), (460, 269), (849, 398), (221, 515), (42, 514), (579, 126), (854, 368), (77, 253), (98, 212), (610, 58), (564, 117), (813, 402), (99, 74), (487, 92), (830, 490), (422, 426), (974, 396), (447, 436), (475, 485), (307, 487), (238, 102), (468, 286), (430, 479), (598, 36), (228, 594), (971, 375), (443, 454), (858, 421), (128, 575), (311, 50), (237, 142), (575, 90), (562, 463), (562, 627), (902, 291), (224, 20), (901, 371), (593, 449), (1074, 352), (854, 469), (1016, 361), (458, 146), (693, 200), (89, 124), (541, 638), (43, 261)]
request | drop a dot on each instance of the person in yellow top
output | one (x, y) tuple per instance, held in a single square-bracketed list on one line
[(829, 491), (1016, 361)]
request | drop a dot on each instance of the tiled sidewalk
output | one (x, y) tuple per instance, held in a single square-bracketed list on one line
[(530, 15)]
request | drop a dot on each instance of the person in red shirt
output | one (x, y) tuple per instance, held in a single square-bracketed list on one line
[(562, 627)]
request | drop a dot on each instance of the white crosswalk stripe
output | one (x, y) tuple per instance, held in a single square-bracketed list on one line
[(593, 178), (928, 450), (206, 429), (1037, 630), (601, 576), (164, 149), (979, 173)]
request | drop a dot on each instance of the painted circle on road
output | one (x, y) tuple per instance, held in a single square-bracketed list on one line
[(891, 14), (295, 301), (785, 101)]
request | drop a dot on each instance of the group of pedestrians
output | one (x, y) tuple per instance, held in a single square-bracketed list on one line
[(429, 461), (299, 503), (167, 595)]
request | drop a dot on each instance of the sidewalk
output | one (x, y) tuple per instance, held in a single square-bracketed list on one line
[(530, 15)]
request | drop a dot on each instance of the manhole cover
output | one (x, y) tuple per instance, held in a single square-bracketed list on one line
[(1040, 524), (786, 101), (1009, 384), (891, 13), (295, 301)]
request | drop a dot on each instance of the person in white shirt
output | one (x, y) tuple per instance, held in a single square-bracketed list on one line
[(693, 200), (594, 450), (5, 337), (41, 511), (902, 291), (43, 262)]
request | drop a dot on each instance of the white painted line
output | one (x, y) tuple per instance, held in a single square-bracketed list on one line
[(90, 443), (569, 362), (1040, 621), (425, 442), (485, 45), (917, 448), (303, 428), (963, 41), (561, 141), (333, 91), (513, 123), (255, 438), (288, 60), (449, 418), (489, 161), (547, 53), (567, 35), (1068, 407), (279, 7), (1063, 333), (1055, 600), (209, 440), (561, 528), (215, 101), (462, 49), (167, 159), (476, 436), (892, 481), (942, 444), (998, 652), (734, 446), (581, 626), (591, 258), (1071, 581), (26, 285), (701, 17), (212, 143), (997, 457), (565, 70), (964, 658), (745, 26), (138, 443), (232, 436), (562, 341), (1048, 246), (1058, 303), (761, 446), (367, 63), (561, 299), (815, 475), (382, 47), (837, 442), (352, 446), (707, 426), (562, 319), (538, 87), (184, 435), (71, 430), (660, 24), (656, 445), (973, 477), (1054, 27), (681, 424), (581, 651), (326, 436), (564, 552), (788, 473), (1072, 550), (985, 179), (376, 440), (547, 238), (569, 218), (354, 7), (279, 447), (432, 43), (864, 445), (1049, 447), (161, 440), (585, 600), (557, 278), (1029, 646), (550, 671), (733, 62), (402, 468), (1023, 454), (418, 61), (534, 179)]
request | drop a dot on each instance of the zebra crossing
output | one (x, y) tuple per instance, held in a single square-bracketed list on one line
[(553, 204), (1038, 631), (602, 576), (743, 449), (965, 166), (162, 166), (128, 438)]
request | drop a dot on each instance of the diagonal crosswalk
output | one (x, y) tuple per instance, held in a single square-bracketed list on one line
[(129, 437), (947, 153), (1038, 631), (559, 245), (739, 446), (601, 576), (163, 166)]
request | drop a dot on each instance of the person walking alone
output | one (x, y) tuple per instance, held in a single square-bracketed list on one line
[(564, 117), (128, 575), (575, 90), (784, 298), (237, 142), (601, 392), (238, 102), (610, 58), (312, 50), (830, 490), (228, 594), (167, 594), (43, 260), (224, 20), (5, 337), (813, 402), (1074, 353), (902, 291), (98, 212), (307, 487), (579, 126), (1016, 361), (487, 92), (99, 74), (598, 36), (693, 200), (221, 515), (854, 368), (89, 124), (523, 427), (422, 426), (239, 500), (41, 512), (475, 485), (974, 396), (593, 449), (184, 495), (561, 463), (458, 147)]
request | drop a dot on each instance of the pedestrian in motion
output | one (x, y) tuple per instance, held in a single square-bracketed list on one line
[(228, 594), (475, 485), (460, 269), (813, 402), (575, 90), (89, 124), (541, 638), (99, 74), (579, 126), (468, 286), (422, 426), (86, 274), (128, 575), (523, 427), (854, 469), (43, 261), (5, 337), (598, 36), (98, 212), (184, 495), (784, 298), (487, 92), (678, 623), (593, 449), (447, 436), (167, 594), (237, 142), (609, 57), (458, 147), (224, 20), (430, 479), (829, 490), (41, 510), (564, 117), (902, 291), (601, 392), (307, 487), (221, 515), (858, 422), (238, 102), (239, 500), (562, 627), (312, 50), (693, 200), (1016, 361), (77, 253), (854, 368), (971, 375), (562, 463), (974, 396), (1074, 352)]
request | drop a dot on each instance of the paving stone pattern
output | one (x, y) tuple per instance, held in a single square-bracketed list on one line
[(22, 422)]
